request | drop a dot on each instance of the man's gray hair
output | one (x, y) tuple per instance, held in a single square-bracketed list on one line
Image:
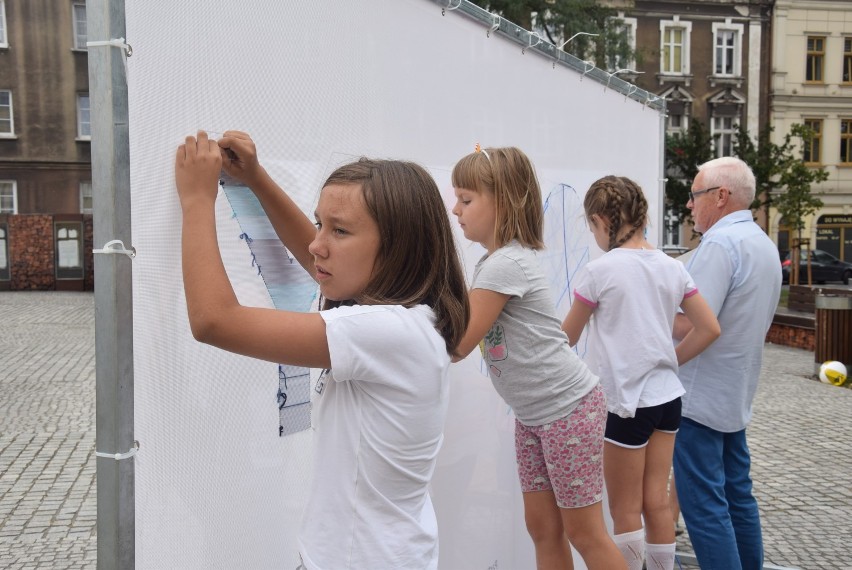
[(733, 174)]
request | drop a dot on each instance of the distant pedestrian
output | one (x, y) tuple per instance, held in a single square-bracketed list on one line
[(736, 269)]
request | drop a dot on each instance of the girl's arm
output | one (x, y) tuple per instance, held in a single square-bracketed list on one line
[(215, 315), (705, 328), (485, 307), (294, 229), (681, 326), (576, 320)]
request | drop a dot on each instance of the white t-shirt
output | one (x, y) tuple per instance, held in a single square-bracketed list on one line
[(379, 420), (635, 294)]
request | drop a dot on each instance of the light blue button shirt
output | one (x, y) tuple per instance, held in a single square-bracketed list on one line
[(737, 270)]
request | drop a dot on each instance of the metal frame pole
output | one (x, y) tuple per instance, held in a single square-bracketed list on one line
[(113, 295)]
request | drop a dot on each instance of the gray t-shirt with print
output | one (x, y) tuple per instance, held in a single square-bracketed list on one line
[(528, 357)]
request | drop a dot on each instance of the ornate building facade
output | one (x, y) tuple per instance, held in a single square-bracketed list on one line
[(812, 85)]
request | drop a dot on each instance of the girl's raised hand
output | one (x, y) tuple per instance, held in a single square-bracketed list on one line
[(198, 164), (239, 157)]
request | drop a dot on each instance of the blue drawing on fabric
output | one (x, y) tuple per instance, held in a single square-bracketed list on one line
[(290, 287), (566, 240)]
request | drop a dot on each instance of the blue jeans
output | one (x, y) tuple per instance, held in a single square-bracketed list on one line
[(711, 471)]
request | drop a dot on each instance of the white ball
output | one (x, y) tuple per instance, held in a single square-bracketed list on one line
[(832, 372)]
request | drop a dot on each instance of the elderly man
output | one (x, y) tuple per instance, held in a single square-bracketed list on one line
[(736, 269)]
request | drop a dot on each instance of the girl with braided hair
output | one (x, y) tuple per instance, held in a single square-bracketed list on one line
[(560, 409), (634, 292)]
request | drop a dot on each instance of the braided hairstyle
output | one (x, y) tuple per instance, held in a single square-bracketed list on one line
[(621, 202)]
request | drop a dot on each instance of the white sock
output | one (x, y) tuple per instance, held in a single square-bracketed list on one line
[(632, 547), (660, 556)]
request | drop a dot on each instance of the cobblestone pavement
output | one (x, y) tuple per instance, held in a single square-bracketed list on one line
[(801, 465), (47, 430), (800, 445)]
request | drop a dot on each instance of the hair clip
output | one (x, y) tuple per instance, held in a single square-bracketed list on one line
[(478, 148)]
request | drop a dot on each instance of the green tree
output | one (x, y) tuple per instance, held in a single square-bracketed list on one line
[(777, 167), (781, 176), (685, 151), (796, 203), (559, 20)]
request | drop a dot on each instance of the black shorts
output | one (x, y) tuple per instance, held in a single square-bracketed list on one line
[(636, 431)]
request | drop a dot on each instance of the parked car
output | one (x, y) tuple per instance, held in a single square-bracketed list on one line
[(824, 267)]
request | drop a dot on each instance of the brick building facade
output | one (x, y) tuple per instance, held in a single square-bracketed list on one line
[(45, 154)]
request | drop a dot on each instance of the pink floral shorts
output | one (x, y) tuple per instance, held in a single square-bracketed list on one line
[(565, 456)]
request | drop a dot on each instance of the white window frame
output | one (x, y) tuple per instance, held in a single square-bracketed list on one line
[(11, 133), (68, 257), (684, 123), (671, 229), (84, 117), (677, 96), (846, 75), (737, 30), (86, 195), (4, 37), (629, 26), (729, 132), (80, 39), (685, 46), (9, 184)]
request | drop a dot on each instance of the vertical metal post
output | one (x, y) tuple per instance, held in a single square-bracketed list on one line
[(662, 230), (113, 296)]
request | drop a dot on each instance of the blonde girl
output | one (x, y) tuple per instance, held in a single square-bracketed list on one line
[(559, 407), (395, 307), (631, 295)]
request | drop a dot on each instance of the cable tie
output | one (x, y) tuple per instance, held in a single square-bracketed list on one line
[(115, 42), (118, 43), (495, 24), (116, 246), (530, 36), (120, 456), (449, 7)]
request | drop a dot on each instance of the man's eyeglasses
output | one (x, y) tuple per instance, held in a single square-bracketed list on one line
[(692, 195)]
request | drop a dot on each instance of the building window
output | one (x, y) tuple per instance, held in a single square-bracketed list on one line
[(816, 59), (674, 46), (846, 141), (8, 197), (7, 117), (727, 52), (723, 135), (84, 124), (85, 197), (4, 252), (626, 32), (69, 250), (847, 60), (80, 28), (677, 123), (4, 40), (813, 146), (671, 239)]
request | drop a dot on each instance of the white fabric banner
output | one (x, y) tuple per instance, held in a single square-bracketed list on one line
[(318, 84)]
